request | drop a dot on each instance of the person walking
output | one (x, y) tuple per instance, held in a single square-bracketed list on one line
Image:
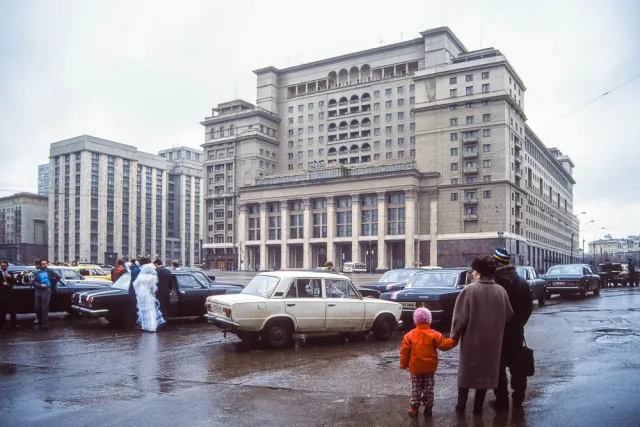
[(45, 282), (511, 355), (631, 268), (419, 354), (479, 317), (146, 285), (164, 288), (7, 301)]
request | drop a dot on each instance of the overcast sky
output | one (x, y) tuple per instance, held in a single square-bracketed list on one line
[(145, 73)]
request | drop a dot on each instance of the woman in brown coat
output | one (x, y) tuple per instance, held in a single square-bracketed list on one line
[(479, 316)]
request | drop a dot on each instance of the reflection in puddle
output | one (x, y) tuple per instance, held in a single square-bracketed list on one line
[(614, 335)]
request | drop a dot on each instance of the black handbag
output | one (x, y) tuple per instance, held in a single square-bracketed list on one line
[(527, 360)]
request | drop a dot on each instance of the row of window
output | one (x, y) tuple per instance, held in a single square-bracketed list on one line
[(453, 93), (471, 195), (470, 180), (469, 78), (486, 118)]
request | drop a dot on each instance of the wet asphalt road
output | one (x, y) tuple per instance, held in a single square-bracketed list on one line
[(85, 372)]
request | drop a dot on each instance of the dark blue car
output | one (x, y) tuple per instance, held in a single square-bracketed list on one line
[(436, 290), (393, 280)]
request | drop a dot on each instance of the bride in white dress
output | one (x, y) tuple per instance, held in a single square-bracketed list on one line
[(146, 285)]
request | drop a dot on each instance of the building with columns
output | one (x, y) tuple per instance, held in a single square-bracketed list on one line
[(412, 153)]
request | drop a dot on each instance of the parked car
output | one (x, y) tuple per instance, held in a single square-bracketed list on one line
[(436, 290), (617, 275), (24, 293), (187, 298), (393, 280), (275, 305), (536, 284), (572, 279), (93, 271), (72, 276)]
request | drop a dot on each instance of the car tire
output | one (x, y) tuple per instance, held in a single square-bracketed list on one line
[(383, 329), (541, 301), (277, 334), (583, 293), (548, 295), (596, 291)]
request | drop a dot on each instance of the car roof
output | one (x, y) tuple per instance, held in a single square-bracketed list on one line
[(445, 269), (312, 274)]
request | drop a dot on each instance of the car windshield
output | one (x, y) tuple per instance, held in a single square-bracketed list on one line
[(433, 280), (70, 274), (565, 269), (522, 272), (98, 272), (397, 276), (261, 286)]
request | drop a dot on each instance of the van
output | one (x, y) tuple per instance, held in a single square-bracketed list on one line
[(354, 267)]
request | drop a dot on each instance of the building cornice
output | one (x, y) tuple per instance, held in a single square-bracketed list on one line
[(529, 133), (232, 117)]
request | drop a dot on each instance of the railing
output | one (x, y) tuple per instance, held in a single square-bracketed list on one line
[(471, 170), (470, 155), (470, 200), (471, 217), (467, 139)]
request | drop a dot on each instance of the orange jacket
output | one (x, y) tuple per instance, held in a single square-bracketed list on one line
[(419, 351)]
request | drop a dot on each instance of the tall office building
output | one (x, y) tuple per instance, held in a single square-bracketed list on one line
[(412, 153), (43, 179), (184, 220), (106, 201)]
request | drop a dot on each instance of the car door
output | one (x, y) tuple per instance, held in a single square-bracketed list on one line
[(305, 302), (192, 295), (593, 284), (345, 310)]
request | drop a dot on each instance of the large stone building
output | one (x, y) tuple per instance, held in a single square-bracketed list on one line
[(184, 221), (23, 227), (615, 249), (417, 152)]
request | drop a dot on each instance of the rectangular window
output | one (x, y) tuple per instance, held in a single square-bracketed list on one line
[(400, 128), (401, 115), (453, 93), (296, 230), (453, 136), (290, 109), (453, 80), (412, 87), (485, 75), (486, 194), (400, 102), (320, 224), (469, 90), (454, 181), (400, 141), (387, 143), (453, 122), (486, 117), (310, 117), (485, 88), (486, 132), (412, 100), (396, 222), (486, 163), (376, 119), (321, 115), (469, 120), (388, 104), (343, 223), (376, 94), (452, 107), (387, 91), (486, 148), (388, 117), (468, 78), (454, 166), (454, 151), (310, 106), (486, 178), (388, 129)]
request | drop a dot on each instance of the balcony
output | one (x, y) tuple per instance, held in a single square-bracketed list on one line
[(518, 159), (471, 170), (519, 173), (471, 217), (470, 139), (517, 144), (470, 155), (470, 201), (518, 203)]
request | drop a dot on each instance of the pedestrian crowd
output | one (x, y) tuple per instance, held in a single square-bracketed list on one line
[(488, 323)]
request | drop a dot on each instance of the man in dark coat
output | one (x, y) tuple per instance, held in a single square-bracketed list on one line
[(513, 340), (631, 267), (164, 288), (132, 311), (7, 301), (118, 270)]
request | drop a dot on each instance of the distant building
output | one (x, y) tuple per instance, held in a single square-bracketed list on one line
[(184, 204), (619, 249), (43, 180), (23, 227)]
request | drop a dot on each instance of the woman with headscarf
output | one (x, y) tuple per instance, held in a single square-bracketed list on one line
[(145, 286)]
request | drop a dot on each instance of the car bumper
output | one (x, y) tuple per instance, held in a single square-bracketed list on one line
[(222, 323), (88, 312), (564, 289), (407, 315)]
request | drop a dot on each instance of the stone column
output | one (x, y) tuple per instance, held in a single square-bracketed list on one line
[(264, 231), (409, 228), (433, 228), (331, 228), (242, 230), (355, 227), (306, 247), (383, 262), (284, 232)]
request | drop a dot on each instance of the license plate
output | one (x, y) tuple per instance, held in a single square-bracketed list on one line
[(409, 305), (558, 283)]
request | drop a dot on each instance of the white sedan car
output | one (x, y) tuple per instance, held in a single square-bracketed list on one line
[(275, 305)]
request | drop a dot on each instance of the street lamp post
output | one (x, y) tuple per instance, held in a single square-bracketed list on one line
[(582, 234)]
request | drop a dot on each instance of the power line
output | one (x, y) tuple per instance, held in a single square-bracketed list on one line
[(594, 99)]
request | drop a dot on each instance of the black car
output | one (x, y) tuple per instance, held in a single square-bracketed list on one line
[(537, 286), (393, 280), (572, 279), (24, 293), (190, 290), (436, 290)]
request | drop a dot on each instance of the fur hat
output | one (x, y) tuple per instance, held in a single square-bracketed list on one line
[(501, 256), (422, 316)]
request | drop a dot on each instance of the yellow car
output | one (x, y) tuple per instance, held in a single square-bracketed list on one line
[(93, 271)]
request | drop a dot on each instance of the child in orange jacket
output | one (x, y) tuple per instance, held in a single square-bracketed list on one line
[(419, 353)]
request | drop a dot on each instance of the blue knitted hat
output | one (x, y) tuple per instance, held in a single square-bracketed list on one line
[(502, 256)]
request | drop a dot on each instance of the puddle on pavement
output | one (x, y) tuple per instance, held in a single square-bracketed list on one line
[(614, 335)]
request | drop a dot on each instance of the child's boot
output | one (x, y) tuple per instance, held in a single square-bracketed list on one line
[(413, 412)]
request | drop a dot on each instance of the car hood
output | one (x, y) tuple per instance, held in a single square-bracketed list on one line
[(102, 291), (419, 294), (380, 286), (97, 282)]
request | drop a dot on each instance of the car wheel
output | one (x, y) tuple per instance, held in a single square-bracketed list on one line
[(383, 330), (596, 291), (277, 334), (548, 295), (583, 293), (541, 302)]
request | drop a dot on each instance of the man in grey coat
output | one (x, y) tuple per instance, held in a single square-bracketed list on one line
[(479, 318)]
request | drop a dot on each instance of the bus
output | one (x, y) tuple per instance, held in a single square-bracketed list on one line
[(354, 267)]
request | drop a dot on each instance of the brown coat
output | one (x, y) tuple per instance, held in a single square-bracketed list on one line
[(479, 317)]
